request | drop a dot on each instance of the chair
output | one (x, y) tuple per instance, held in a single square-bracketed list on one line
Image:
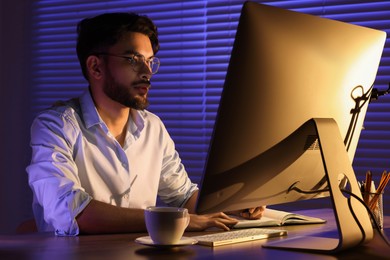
[(27, 226)]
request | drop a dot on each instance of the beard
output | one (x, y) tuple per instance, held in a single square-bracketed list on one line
[(122, 94)]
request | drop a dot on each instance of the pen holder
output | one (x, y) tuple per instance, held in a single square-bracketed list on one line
[(375, 202)]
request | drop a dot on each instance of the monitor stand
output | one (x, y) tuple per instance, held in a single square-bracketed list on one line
[(352, 219)]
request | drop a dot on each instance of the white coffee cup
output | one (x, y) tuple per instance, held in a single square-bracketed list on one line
[(166, 225)]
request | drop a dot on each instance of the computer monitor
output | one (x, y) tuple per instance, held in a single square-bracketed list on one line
[(290, 115)]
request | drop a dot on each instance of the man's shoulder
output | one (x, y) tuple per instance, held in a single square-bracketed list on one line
[(69, 109), (71, 104)]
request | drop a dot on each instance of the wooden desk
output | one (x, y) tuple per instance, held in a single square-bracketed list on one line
[(122, 246)]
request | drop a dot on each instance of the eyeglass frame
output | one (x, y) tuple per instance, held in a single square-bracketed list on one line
[(134, 63)]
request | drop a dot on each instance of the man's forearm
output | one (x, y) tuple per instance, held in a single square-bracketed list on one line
[(191, 203), (99, 218)]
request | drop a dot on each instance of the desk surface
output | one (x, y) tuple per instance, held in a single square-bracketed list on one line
[(122, 246)]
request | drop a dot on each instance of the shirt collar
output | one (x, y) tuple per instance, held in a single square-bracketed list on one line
[(91, 116), (137, 122)]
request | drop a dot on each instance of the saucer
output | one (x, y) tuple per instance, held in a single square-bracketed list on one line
[(184, 241)]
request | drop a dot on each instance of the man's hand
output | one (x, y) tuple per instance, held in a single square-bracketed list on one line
[(219, 220), (202, 222), (252, 213)]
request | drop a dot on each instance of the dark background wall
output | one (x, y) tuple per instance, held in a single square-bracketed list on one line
[(15, 195)]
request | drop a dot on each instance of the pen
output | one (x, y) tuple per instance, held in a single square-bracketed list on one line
[(367, 188), (135, 177), (382, 184)]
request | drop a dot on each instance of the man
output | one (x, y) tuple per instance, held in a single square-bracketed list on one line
[(99, 160)]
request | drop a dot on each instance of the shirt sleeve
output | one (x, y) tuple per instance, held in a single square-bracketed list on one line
[(175, 187), (53, 175)]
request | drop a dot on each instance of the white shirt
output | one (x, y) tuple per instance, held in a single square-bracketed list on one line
[(75, 158)]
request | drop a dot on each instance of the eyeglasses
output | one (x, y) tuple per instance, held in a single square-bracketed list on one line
[(137, 61)]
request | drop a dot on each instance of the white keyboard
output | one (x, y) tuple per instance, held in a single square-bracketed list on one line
[(237, 236)]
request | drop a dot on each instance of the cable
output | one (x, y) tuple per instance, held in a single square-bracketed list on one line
[(377, 227), (293, 187), (356, 219)]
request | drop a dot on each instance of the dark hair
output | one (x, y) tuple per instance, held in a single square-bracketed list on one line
[(97, 34)]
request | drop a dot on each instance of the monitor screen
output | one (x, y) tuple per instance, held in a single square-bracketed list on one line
[(286, 68)]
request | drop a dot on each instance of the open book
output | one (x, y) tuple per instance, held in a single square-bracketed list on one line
[(272, 217)]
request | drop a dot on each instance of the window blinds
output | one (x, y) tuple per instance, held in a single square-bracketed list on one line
[(196, 40)]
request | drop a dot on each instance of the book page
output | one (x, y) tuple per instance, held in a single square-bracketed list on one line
[(276, 214), (291, 218), (274, 217), (263, 222)]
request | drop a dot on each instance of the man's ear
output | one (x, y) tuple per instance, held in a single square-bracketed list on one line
[(94, 67)]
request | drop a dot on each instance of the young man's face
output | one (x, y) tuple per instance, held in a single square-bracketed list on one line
[(126, 83)]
